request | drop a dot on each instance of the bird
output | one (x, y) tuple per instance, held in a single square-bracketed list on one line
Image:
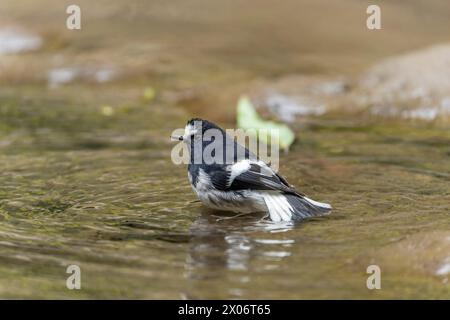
[(243, 183)]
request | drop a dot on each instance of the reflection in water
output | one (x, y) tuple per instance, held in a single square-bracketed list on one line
[(227, 254)]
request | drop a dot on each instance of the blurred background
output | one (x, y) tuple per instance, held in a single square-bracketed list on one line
[(87, 179)]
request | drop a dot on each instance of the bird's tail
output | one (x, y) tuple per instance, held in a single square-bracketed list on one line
[(289, 207)]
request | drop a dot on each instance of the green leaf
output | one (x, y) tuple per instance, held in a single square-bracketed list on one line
[(248, 118)]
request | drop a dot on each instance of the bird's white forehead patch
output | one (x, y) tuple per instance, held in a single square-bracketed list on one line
[(189, 130)]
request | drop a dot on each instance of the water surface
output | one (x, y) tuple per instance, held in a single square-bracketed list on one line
[(86, 176), (112, 202)]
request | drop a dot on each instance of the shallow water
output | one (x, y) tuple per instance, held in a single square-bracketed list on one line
[(110, 200), (86, 176)]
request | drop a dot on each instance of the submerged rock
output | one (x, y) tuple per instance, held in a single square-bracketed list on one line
[(444, 269), (13, 41), (60, 76), (293, 97), (286, 108)]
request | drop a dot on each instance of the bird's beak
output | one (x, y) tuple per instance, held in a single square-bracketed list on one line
[(176, 138)]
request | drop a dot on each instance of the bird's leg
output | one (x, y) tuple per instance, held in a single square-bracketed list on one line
[(263, 218)]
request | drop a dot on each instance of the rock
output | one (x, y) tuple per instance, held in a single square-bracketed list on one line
[(414, 86)]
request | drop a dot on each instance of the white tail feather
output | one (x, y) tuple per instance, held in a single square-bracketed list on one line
[(274, 216), (318, 204), (287, 207), (278, 206), (284, 207)]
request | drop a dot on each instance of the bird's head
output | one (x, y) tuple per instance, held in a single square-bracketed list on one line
[(195, 129), (214, 144)]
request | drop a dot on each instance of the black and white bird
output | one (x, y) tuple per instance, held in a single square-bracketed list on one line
[(245, 184)]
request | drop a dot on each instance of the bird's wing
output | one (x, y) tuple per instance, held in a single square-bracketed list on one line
[(256, 175)]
